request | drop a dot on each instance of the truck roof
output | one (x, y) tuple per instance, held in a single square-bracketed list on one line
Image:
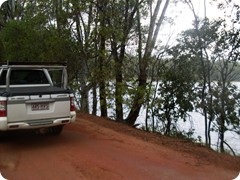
[(36, 64)]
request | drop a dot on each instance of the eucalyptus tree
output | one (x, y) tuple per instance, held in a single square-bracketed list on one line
[(83, 17), (205, 68), (157, 13), (227, 52), (216, 45), (121, 23)]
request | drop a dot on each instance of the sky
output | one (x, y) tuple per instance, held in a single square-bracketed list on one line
[(212, 12), (1, 1), (183, 18)]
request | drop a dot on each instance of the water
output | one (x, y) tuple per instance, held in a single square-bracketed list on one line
[(197, 123)]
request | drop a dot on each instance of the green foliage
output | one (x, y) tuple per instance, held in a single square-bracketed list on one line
[(1, 50), (183, 135), (225, 105), (20, 41), (23, 41), (175, 94)]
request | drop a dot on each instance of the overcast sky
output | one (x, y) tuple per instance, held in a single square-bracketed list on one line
[(1, 1), (183, 17)]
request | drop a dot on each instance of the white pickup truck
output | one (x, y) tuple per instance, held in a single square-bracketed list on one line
[(35, 96)]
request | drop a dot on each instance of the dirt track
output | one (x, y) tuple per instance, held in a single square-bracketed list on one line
[(95, 148)]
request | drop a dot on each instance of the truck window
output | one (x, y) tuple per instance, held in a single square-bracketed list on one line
[(24, 77), (56, 76), (3, 77)]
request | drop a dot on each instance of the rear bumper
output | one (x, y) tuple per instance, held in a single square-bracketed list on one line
[(36, 124)]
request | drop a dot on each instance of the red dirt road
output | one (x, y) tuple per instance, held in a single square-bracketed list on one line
[(95, 148)]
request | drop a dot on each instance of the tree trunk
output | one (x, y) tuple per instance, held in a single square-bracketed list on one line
[(102, 86), (222, 114), (221, 142), (139, 97), (94, 103), (58, 12), (221, 133), (168, 125), (119, 79), (84, 99), (101, 58), (118, 92)]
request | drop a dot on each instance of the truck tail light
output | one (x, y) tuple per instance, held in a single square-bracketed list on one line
[(72, 106), (3, 108)]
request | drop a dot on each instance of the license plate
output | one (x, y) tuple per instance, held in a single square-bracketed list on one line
[(40, 106)]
